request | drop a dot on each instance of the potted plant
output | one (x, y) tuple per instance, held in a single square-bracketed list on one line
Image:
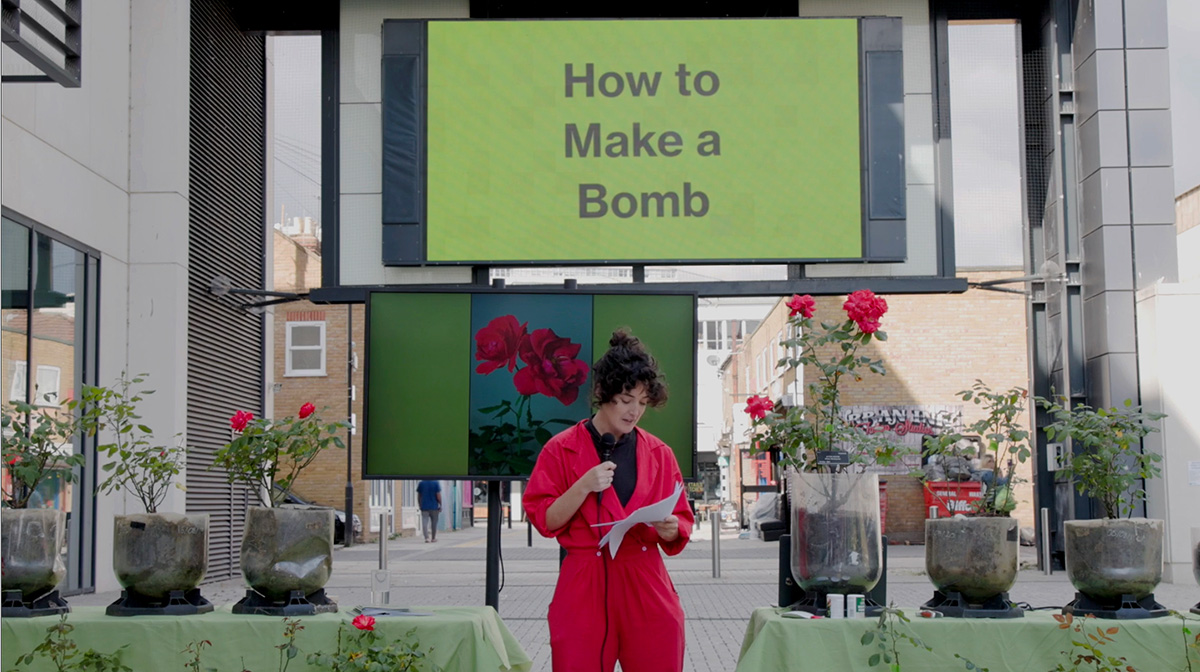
[(1114, 562), (39, 450), (836, 534), (287, 553), (159, 558), (972, 560), (1196, 562)]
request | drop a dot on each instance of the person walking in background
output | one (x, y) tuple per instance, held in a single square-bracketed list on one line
[(429, 494)]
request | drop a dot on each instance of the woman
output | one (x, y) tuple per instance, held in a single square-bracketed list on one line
[(607, 608)]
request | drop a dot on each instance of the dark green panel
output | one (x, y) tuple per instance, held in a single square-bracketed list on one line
[(666, 325), (418, 376)]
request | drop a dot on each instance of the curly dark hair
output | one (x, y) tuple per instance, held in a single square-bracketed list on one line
[(626, 364)]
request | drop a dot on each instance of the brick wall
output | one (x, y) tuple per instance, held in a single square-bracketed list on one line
[(1187, 210), (298, 268), (324, 481), (906, 510)]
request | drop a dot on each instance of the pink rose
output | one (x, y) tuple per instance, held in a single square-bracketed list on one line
[(758, 407), (803, 305), (551, 368), (364, 622), (239, 420), (497, 344), (306, 410)]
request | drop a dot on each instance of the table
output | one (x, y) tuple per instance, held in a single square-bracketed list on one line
[(1035, 642), (463, 639)]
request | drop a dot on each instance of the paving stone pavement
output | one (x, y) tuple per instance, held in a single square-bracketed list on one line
[(451, 572)]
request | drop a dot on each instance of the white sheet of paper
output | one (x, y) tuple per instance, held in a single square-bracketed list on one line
[(647, 514)]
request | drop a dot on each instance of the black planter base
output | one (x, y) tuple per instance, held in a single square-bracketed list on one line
[(297, 604), (1129, 608), (177, 603), (48, 604), (814, 603), (954, 605), (1196, 609)]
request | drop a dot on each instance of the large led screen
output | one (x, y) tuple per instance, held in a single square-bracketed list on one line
[(472, 385), (610, 141)]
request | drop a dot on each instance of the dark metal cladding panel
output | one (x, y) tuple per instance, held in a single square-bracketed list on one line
[(227, 236)]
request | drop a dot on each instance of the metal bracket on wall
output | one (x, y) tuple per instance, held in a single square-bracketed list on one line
[(222, 285)]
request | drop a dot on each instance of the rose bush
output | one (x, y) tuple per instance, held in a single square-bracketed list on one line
[(368, 651), (266, 452), (136, 463), (38, 446), (831, 352)]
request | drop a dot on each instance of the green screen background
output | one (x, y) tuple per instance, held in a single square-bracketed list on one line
[(786, 185), (420, 357)]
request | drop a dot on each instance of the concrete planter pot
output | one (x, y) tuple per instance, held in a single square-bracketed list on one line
[(157, 553), (1196, 562), (1108, 560), (287, 557), (973, 563), (33, 549), (33, 546), (837, 545)]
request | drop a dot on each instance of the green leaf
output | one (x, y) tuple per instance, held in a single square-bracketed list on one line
[(867, 637), (873, 660)]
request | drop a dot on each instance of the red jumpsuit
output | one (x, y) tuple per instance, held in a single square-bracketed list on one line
[(642, 625)]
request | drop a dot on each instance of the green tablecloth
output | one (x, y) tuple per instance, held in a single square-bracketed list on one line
[(463, 639), (1035, 642)]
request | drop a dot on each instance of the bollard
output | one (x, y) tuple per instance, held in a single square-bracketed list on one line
[(1045, 541), (716, 533), (381, 579)]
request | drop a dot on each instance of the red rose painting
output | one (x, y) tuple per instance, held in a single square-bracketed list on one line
[(543, 365)]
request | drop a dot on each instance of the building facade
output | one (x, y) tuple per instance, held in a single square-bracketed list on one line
[(124, 194)]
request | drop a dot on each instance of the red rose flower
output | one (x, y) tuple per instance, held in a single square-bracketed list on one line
[(364, 622), (758, 407), (803, 305), (496, 345), (551, 368), (865, 309), (306, 410), (239, 420), (14, 459)]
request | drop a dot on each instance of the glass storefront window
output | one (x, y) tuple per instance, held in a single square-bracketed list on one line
[(49, 300)]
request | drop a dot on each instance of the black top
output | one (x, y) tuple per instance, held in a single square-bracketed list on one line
[(624, 455)]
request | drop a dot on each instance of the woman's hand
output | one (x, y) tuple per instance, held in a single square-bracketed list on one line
[(597, 478), (667, 528)]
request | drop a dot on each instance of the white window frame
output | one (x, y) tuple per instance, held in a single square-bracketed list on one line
[(16, 390), (287, 359)]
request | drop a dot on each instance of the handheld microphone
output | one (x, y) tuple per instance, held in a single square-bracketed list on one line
[(608, 443)]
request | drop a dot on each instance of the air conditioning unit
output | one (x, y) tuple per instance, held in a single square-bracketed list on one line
[(789, 400)]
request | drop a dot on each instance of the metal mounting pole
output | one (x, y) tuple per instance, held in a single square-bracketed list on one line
[(495, 520)]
